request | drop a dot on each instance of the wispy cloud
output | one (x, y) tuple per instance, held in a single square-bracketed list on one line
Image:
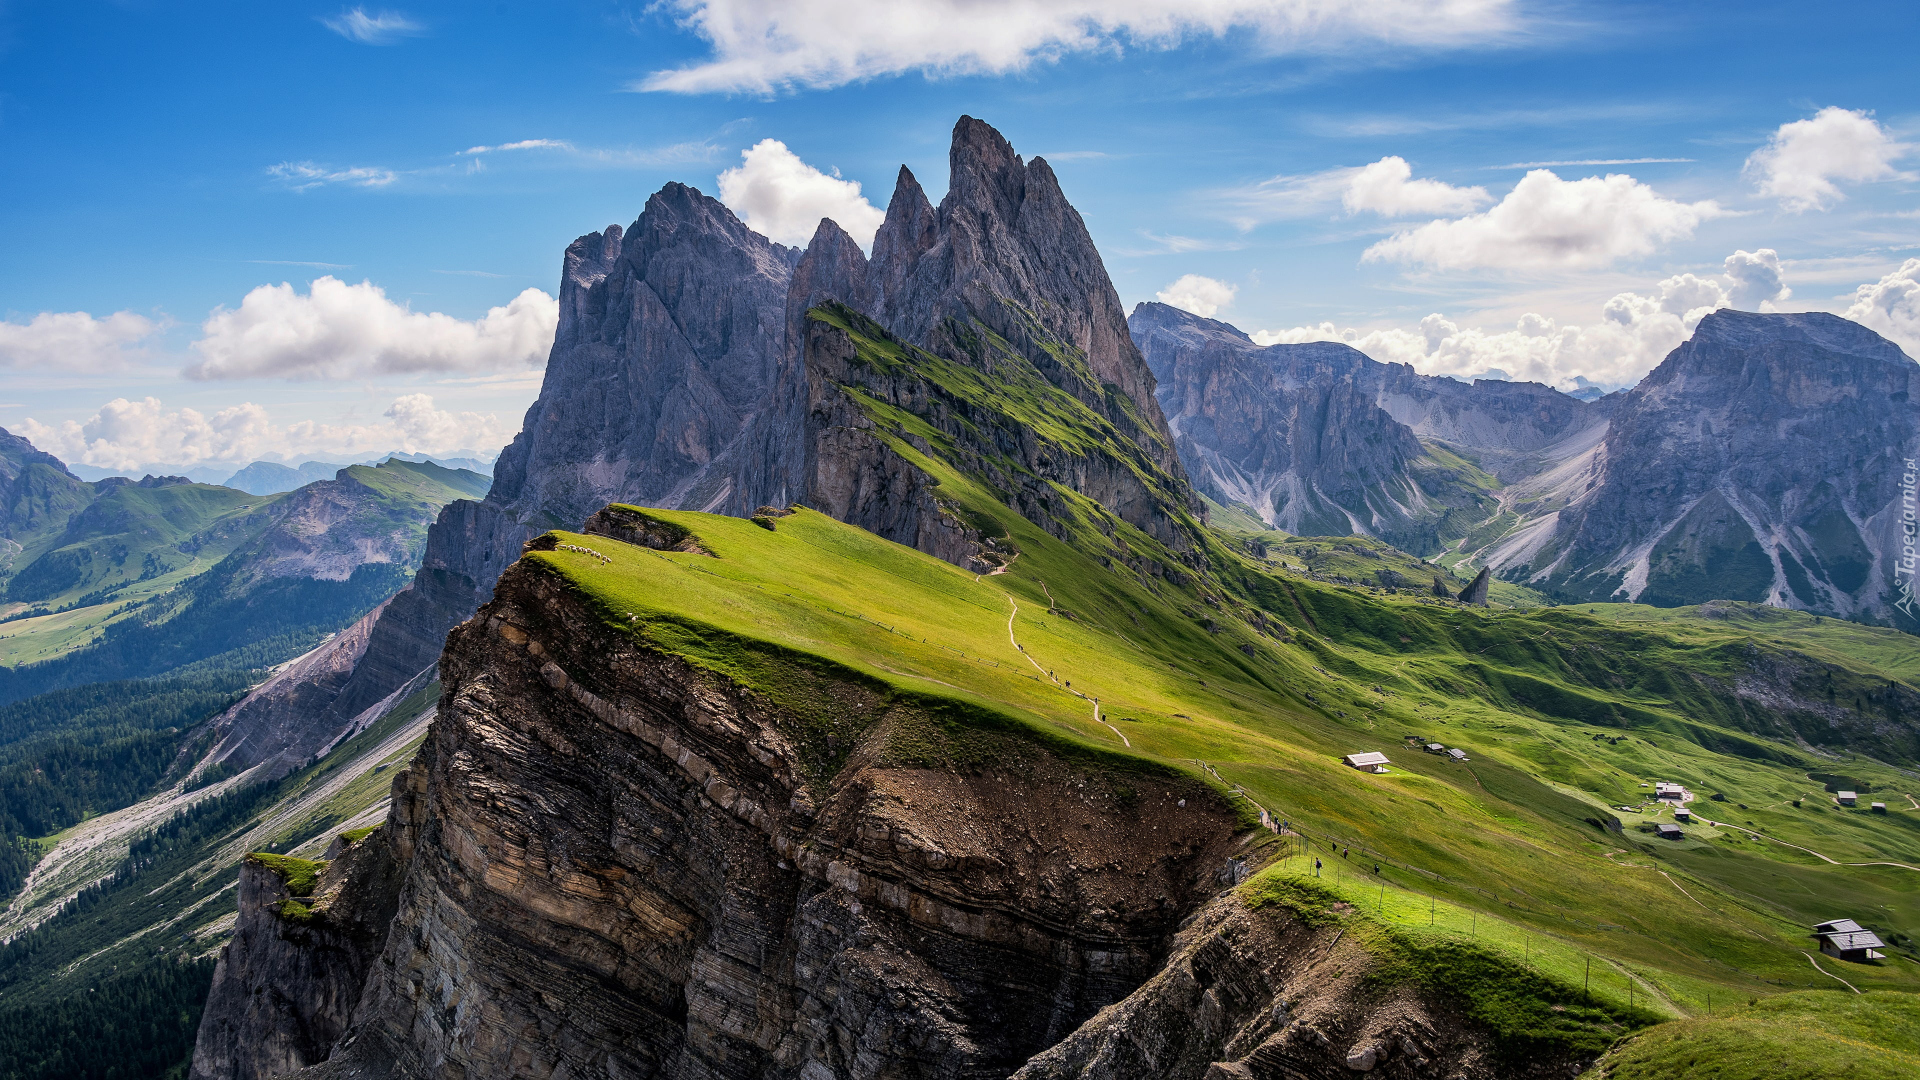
[(303, 175), (523, 144), (1385, 124), (373, 28), (1076, 155), (692, 152), (1584, 162), (1171, 244)]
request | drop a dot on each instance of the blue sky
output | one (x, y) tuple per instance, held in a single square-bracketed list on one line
[(1359, 177)]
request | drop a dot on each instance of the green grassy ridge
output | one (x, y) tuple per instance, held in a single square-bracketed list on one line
[(1809, 1035), (130, 533), (300, 875), (1505, 835), (1534, 996), (724, 603), (155, 555), (1524, 827)]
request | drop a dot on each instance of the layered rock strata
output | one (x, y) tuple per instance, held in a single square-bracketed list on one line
[(1318, 439), (680, 377), (287, 981), (619, 864)]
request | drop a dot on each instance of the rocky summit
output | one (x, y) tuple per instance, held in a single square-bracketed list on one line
[(904, 664), (1764, 460)]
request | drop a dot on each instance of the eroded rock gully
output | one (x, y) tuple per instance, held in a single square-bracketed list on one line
[(618, 864)]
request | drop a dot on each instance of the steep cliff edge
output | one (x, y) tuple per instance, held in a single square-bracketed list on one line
[(710, 797), (663, 870), (305, 938)]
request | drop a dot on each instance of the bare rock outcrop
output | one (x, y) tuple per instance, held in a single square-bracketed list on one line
[(1768, 459), (288, 980), (620, 864)]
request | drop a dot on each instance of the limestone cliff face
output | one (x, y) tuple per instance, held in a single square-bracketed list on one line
[(288, 980), (1002, 268), (1321, 440), (1257, 995), (621, 865), (1510, 428), (680, 377), (1762, 460)]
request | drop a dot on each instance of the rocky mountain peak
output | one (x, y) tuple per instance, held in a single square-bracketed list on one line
[(1812, 329)]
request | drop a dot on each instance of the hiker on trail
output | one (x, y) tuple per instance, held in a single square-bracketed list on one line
[(1316, 868), (1343, 852), (1376, 868)]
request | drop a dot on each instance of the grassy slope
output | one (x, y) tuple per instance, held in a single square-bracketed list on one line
[(1506, 836), (1806, 1036), (1181, 667), (140, 544), (129, 547)]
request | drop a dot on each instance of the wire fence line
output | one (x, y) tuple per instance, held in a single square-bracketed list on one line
[(1336, 846)]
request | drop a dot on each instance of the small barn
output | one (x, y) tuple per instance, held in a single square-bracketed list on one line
[(1372, 761), (1681, 813), (1664, 790), (1848, 940), (1436, 748), (1847, 798), (1879, 808), (1668, 832), (1457, 754)]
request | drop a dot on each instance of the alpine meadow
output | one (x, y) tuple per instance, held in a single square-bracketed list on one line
[(1076, 612)]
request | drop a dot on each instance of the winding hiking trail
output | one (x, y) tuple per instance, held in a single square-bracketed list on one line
[(1828, 974), (1797, 847), (1684, 892), (1097, 718)]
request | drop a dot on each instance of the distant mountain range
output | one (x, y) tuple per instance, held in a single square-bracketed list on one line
[(156, 573), (929, 697), (1762, 461), (272, 477)]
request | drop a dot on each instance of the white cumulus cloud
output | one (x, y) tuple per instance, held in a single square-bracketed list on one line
[(1201, 295), (130, 435), (1632, 334), (1549, 222), (372, 28), (1387, 188), (1800, 163), (784, 198), (764, 45), (1757, 283), (339, 331), (74, 340), (1892, 306)]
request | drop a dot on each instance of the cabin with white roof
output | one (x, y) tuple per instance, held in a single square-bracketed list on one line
[(1664, 790), (1372, 761)]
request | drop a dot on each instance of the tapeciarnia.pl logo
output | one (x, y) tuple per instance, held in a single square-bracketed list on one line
[(1909, 531)]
